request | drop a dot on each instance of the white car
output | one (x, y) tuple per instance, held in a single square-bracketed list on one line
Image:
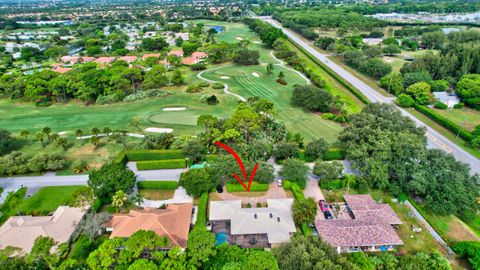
[(279, 182)]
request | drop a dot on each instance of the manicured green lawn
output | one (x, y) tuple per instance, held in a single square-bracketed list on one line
[(255, 187), (47, 199), (466, 117), (157, 194)]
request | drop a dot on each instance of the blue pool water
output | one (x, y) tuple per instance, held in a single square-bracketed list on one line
[(220, 238), (218, 28)]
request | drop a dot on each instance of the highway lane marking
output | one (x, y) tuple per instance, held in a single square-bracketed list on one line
[(439, 143)]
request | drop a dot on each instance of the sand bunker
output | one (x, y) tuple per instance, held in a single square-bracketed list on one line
[(257, 42), (224, 77), (62, 133), (159, 130), (388, 60), (174, 109), (255, 74), (239, 38)]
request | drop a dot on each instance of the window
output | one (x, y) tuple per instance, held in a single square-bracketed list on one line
[(255, 216)]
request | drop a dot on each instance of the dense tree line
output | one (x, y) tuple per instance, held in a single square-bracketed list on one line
[(390, 152), (267, 33)]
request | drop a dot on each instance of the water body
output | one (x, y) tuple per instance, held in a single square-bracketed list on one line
[(218, 28)]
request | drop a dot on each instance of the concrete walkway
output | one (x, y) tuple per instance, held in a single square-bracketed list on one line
[(225, 86), (430, 229)]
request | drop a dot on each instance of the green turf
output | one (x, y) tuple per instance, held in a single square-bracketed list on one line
[(466, 117), (47, 199)]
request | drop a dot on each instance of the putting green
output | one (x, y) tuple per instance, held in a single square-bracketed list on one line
[(188, 118)]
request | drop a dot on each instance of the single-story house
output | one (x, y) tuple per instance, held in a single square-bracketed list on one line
[(105, 60), (129, 58), (372, 227), (67, 59), (86, 59), (21, 231), (148, 55), (264, 227), (199, 55), (178, 53), (172, 222), (61, 69), (189, 61), (450, 99)]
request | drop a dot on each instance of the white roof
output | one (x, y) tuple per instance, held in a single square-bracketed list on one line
[(21, 231), (275, 220)]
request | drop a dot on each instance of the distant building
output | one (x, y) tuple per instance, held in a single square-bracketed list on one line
[(129, 58), (178, 53), (21, 231), (450, 99), (370, 229), (105, 60), (264, 227), (148, 55), (172, 222)]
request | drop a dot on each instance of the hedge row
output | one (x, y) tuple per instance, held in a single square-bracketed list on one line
[(297, 192), (237, 187), (161, 164), (121, 158), (444, 122), (141, 155), (202, 210), (334, 153), (334, 75), (97, 205), (306, 230), (157, 184)]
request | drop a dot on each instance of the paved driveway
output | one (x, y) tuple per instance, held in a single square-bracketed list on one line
[(170, 174), (312, 190)]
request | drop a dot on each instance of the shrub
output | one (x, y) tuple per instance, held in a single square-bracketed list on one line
[(259, 204), (282, 81), (334, 153), (109, 99), (306, 230), (161, 164), (249, 205), (194, 89), (97, 205), (335, 184), (140, 155), (79, 166), (157, 185), (204, 84), (328, 116), (287, 185), (404, 100), (198, 66), (440, 105), (217, 85), (459, 105), (139, 95), (469, 250), (121, 158), (82, 247), (297, 192), (202, 210), (237, 187)]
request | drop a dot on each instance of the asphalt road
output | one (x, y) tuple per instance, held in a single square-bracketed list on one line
[(434, 139)]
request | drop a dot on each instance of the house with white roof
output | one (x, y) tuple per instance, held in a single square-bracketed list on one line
[(21, 231), (450, 99), (263, 227)]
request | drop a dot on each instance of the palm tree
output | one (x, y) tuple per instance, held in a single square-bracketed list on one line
[(63, 143), (47, 131), (55, 137), (269, 68), (24, 133), (14, 202), (39, 137), (281, 75), (107, 130), (95, 131), (123, 135), (78, 132), (94, 140)]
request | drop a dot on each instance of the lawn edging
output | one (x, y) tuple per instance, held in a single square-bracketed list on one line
[(334, 75), (255, 187), (157, 185), (161, 164)]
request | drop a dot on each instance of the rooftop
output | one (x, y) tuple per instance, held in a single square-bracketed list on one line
[(364, 207)]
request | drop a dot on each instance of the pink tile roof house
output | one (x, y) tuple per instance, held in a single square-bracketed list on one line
[(189, 61), (371, 229), (86, 59), (70, 59), (105, 60), (148, 55), (178, 53), (199, 55), (129, 58), (172, 222), (61, 69)]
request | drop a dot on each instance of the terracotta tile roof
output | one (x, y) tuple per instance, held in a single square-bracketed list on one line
[(61, 69), (105, 60), (70, 59), (199, 55), (364, 207), (172, 222), (189, 61), (145, 56), (176, 52), (129, 58), (357, 232), (86, 59)]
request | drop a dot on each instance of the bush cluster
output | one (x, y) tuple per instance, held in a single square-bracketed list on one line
[(17, 163), (144, 94)]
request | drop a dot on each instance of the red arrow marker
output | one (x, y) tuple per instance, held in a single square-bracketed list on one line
[(242, 167)]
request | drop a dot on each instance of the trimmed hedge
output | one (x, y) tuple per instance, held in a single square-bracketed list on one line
[(301, 155), (287, 185), (297, 192), (161, 164), (141, 155), (97, 205), (306, 230), (121, 158), (334, 153), (444, 122), (157, 184), (202, 210), (334, 75), (237, 187)]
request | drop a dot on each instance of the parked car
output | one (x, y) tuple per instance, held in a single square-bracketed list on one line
[(323, 205), (219, 189), (327, 215), (279, 182)]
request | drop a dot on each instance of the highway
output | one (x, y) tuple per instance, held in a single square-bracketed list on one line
[(434, 139)]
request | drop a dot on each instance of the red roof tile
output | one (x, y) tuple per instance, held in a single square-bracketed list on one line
[(364, 207)]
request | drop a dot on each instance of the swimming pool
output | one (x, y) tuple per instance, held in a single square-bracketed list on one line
[(221, 238), (218, 28)]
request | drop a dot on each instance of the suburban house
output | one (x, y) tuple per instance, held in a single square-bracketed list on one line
[(105, 60), (450, 99), (129, 58), (21, 231), (371, 227), (195, 58), (199, 55), (61, 69), (172, 222), (264, 227), (178, 53)]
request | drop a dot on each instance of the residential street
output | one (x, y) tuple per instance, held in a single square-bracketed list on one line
[(435, 139)]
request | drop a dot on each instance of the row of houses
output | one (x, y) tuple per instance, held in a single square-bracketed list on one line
[(370, 229)]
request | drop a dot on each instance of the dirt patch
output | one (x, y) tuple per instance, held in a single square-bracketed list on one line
[(460, 232)]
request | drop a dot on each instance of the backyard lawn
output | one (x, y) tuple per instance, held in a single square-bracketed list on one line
[(466, 117), (47, 199), (156, 194)]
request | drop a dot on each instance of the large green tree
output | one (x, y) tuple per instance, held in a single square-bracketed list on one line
[(109, 179), (295, 170), (196, 181)]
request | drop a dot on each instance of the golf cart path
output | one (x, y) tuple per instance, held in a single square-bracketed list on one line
[(225, 86), (281, 63)]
